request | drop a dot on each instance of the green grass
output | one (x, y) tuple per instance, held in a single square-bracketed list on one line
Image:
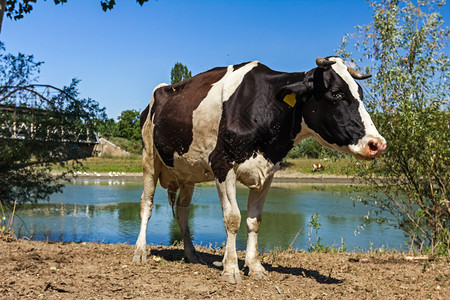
[(133, 163), (134, 147), (343, 166)]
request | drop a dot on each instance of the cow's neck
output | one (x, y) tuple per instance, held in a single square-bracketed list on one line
[(306, 79), (291, 130)]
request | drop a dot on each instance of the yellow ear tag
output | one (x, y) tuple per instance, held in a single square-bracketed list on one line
[(290, 99)]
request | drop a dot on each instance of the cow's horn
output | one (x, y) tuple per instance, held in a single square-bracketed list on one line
[(323, 63), (357, 75)]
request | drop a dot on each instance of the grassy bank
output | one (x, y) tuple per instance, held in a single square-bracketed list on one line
[(341, 166), (133, 163)]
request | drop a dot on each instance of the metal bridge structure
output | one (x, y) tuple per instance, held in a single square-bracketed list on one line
[(38, 113), (19, 122)]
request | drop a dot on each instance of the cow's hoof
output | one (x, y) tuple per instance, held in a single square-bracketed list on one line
[(259, 274), (232, 278), (137, 259), (218, 263), (195, 258), (140, 257)]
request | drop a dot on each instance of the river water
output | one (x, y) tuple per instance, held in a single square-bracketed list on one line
[(108, 211)]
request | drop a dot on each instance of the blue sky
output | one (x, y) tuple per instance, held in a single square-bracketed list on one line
[(121, 55)]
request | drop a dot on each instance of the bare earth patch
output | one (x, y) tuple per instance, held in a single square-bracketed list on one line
[(49, 270)]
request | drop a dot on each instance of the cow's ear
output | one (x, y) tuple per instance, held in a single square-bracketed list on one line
[(290, 94)]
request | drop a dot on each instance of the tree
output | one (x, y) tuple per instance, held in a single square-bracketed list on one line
[(179, 73), (128, 124), (16, 9), (409, 98), (107, 127), (61, 120)]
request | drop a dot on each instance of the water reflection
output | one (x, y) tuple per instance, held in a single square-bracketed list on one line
[(106, 212)]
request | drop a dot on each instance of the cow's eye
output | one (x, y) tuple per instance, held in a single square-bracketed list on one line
[(338, 96)]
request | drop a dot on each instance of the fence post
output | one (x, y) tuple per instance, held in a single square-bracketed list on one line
[(15, 124)]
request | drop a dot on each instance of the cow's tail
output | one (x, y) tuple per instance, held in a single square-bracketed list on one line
[(172, 196), (144, 114), (146, 119), (171, 191)]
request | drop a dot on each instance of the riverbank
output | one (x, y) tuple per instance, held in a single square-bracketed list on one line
[(302, 167), (49, 270), (282, 176)]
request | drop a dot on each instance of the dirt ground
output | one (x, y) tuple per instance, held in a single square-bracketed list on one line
[(54, 270)]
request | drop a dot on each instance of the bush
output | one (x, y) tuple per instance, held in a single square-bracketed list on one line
[(409, 96)]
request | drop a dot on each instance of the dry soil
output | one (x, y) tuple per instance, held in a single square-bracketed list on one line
[(54, 270)]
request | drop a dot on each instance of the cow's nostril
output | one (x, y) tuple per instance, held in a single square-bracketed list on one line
[(373, 146)]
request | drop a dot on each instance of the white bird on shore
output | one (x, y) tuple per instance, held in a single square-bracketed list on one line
[(110, 174)]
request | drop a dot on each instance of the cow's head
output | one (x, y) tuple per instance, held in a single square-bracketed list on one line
[(333, 111)]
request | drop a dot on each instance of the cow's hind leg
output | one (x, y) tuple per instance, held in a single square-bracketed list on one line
[(151, 168), (255, 205), (232, 221), (182, 213)]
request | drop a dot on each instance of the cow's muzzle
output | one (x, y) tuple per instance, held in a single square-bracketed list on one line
[(375, 147)]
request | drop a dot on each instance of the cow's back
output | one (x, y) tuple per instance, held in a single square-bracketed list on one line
[(186, 119)]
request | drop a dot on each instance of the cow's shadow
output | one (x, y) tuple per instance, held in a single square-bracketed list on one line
[(178, 255)]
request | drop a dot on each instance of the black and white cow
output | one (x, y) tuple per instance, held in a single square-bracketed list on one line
[(238, 123)]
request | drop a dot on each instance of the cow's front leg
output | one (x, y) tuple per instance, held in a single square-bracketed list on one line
[(232, 221), (255, 205)]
